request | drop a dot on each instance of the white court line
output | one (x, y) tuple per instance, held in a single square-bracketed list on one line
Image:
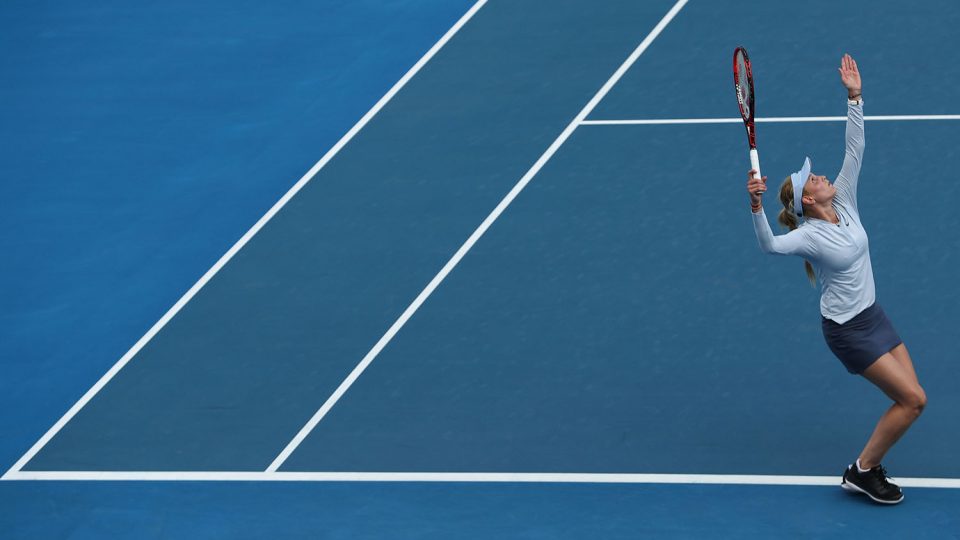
[(243, 240), (541, 478), (447, 268), (661, 121)]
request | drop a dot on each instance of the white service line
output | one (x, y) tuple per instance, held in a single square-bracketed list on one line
[(447, 268), (488, 477), (662, 121), (243, 241)]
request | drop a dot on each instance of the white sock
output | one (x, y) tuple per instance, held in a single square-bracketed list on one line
[(861, 469)]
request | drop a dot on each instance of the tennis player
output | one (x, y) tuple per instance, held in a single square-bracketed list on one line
[(834, 244)]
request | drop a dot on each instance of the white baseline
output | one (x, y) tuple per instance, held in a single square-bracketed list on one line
[(469, 477)]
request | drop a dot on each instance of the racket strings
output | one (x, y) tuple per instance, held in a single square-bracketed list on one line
[(743, 86)]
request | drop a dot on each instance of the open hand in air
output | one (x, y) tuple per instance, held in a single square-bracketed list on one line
[(850, 76)]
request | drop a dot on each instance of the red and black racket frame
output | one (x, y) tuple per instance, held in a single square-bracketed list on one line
[(748, 115)]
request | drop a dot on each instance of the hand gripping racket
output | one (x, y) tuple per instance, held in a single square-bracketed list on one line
[(743, 83)]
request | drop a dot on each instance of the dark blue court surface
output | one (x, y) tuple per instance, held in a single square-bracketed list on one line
[(616, 317), (442, 511)]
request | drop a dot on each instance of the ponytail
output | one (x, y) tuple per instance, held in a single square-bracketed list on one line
[(788, 218)]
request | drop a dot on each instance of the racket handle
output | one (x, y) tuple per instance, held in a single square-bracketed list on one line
[(755, 162)]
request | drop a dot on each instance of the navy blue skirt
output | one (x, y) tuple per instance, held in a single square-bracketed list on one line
[(859, 342)]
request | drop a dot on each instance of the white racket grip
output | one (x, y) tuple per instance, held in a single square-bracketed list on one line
[(755, 162)]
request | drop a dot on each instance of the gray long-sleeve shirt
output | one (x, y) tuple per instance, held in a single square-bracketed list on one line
[(840, 253)]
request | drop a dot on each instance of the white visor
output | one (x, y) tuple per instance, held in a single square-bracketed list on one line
[(799, 180)]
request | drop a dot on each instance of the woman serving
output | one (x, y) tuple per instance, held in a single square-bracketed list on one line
[(832, 241)]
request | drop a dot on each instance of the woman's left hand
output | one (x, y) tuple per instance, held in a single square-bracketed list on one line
[(850, 76)]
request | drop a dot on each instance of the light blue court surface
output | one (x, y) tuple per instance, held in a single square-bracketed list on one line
[(617, 317)]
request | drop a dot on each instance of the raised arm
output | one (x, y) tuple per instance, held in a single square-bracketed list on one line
[(794, 242), (846, 182)]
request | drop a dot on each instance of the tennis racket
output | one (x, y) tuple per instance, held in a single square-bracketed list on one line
[(743, 83)]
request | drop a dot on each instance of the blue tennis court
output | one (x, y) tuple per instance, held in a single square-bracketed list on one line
[(456, 269)]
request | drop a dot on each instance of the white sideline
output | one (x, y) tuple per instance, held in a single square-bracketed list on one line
[(772, 119), (242, 242), (449, 266), (490, 477)]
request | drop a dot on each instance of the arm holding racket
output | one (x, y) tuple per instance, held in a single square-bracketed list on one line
[(794, 242)]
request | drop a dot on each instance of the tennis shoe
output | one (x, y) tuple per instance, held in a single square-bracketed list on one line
[(873, 483)]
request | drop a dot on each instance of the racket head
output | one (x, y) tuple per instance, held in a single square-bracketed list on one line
[(743, 84)]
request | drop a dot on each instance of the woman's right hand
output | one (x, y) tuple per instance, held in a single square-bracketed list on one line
[(755, 187)]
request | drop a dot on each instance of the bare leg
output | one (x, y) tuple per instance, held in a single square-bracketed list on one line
[(903, 356), (899, 382)]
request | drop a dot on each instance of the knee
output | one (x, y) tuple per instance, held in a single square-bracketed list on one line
[(916, 401)]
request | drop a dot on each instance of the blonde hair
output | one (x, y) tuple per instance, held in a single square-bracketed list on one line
[(788, 218)]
